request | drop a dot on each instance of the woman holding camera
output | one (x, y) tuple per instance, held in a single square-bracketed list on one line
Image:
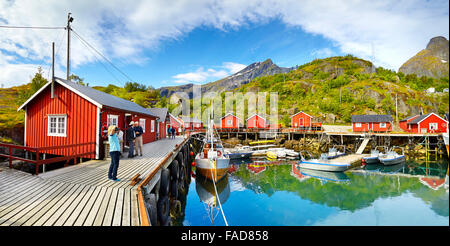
[(114, 152)]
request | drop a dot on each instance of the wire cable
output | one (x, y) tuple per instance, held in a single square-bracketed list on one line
[(32, 27), (98, 52)]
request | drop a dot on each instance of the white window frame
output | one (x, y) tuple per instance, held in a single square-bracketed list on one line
[(229, 122), (142, 124), (433, 126), (382, 125), (111, 119), (57, 132), (198, 124), (358, 124), (152, 126)]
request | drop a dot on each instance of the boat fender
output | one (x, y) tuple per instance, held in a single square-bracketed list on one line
[(163, 209), (151, 209), (192, 153), (180, 159), (174, 169), (193, 164), (164, 182), (182, 175), (174, 189)]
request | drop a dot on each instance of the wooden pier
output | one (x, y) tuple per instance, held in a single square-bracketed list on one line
[(81, 195)]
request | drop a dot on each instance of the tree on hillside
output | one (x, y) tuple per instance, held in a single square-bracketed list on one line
[(75, 78), (134, 86), (36, 83)]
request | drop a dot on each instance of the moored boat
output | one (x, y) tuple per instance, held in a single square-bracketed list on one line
[(323, 164), (211, 161), (392, 157)]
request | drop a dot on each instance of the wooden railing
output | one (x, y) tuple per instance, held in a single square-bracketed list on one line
[(73, 150)]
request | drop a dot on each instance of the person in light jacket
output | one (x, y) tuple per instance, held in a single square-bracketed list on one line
[(114, 152)]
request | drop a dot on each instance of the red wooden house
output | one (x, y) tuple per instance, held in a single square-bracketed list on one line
[(191, 123), (375, 123), (304, 120), (79, 114), (163, 121), (427, 123), (256, 121), (230, 121), (404, 123), (175, 123)]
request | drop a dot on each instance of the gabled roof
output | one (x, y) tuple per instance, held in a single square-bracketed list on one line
[(302, 112), (175, 118), (231, 115), (161, 113), (423, 117), (409, 118), (256, 115), (94, 96), (372, 118)]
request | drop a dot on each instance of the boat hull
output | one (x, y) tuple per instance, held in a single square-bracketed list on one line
[(392, 161), (324, 166), (239, 155), (212, 171), (371, 160)]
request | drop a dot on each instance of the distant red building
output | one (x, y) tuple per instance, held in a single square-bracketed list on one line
[(256, 121), (229, 121), (375, 123), (191, 123), (404, 123), (304, 120), (79, 114), (175, 123), (427, 123)]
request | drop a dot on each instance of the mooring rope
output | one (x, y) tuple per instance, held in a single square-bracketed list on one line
[(217, 195)]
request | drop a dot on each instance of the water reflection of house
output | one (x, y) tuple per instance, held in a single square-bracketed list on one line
[(232, 168), (295, 171), (432, 183), (256, 167)]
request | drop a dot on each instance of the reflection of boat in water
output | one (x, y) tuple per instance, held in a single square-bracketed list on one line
[(392, 157), (385, 169), (206, 191), (211, 161), (256, 169), (325, 176)]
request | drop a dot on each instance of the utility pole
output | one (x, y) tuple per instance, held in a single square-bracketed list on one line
[(69, 20), (53, 70)]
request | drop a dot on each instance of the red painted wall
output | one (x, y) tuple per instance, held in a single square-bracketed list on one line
[(302, 120), (234, 122), (442, 125), (174, 123), (256, 121), (374, 126), (404, 124), (81, 121)]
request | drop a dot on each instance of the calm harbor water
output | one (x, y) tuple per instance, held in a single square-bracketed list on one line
[(278, 193)]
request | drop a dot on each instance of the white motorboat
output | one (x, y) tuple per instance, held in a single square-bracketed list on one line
[(374, 156), (238, 152), (323, 164), (392, 157), (211, 161), (334, 153)]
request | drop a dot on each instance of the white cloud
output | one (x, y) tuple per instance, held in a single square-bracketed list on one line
[(321, 53), (123, 31), (200, 75)]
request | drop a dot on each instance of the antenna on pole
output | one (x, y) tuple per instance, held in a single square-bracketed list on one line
[(53, 70), (69, 20)]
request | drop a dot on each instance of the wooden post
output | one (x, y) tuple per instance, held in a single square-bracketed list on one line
[(10, 157), (37, 162)]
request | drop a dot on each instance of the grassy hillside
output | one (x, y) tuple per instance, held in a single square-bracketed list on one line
[(337, 87)]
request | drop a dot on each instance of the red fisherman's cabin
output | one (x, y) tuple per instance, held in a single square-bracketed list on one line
[(375, 123), (303, 120), (175, 123), (427, 123), (78, 114), (163, 121), (229, 121), (256, 121), (191, 123)]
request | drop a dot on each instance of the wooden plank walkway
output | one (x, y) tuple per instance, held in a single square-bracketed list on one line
[(79, 195)]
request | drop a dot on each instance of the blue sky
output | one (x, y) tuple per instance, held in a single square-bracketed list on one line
[(209, 48), (160, 43)]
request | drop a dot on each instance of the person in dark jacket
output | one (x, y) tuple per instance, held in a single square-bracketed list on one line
[(173, 132), (131, 135), (169, 130)]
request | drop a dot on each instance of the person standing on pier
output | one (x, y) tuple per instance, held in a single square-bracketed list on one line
[(173, 132), (169, 130), (139, 131), (114, 152), (131, 135)]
